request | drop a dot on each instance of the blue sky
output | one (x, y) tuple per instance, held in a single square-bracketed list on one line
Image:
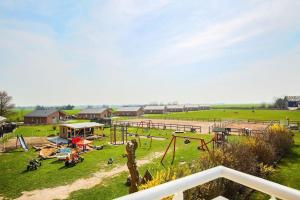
[(127, 52)]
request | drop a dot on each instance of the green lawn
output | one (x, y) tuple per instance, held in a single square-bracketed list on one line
[(14, 180), (231, 114)]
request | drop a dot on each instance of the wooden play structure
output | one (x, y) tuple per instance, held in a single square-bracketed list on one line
[(203, 145), (84, 129), (118, 130), (219, 139), (144, 126), (220, 136)]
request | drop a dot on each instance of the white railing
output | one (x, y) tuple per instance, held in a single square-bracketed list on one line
[(177, 187)]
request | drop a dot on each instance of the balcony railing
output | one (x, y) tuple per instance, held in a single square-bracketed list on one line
[(176, 187)]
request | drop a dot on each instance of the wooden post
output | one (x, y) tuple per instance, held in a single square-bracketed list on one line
[(174, 149), (132, 166)]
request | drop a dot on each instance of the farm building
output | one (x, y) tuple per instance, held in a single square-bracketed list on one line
[(204, 107), (95, 113), (175, 108), (191, 107), (84, 130), (129, 111), (293, 102), (44, 117), (155, 109)]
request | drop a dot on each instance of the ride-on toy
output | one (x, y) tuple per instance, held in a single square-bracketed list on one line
[(33, 165), (73, 159)]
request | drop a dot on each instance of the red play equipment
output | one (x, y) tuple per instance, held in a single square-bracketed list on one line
[(80, 142)]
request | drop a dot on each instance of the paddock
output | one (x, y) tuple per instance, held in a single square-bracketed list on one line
[(199, 126)]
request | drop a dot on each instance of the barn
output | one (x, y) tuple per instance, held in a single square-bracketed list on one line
[(129, 111), (95, 113), (175, 108), (155, 109), (293, 102), (44, 117), (191, 107)]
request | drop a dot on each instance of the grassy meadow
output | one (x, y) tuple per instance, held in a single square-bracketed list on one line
[(222, 114)]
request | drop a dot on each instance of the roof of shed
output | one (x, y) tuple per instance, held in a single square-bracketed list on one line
[(83, 125), (128, 109), (154, 108), (93, 111), (41, 113), (175, 107), (293, 98)]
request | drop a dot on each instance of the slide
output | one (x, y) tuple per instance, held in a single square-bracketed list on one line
[(22, 143)]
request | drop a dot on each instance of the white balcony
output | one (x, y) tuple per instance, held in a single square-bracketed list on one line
[(177, 187)]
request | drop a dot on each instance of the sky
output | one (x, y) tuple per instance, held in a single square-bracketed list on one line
[(137, 52)]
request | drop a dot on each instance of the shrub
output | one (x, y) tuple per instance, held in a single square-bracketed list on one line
[(264, 151), (54, 127), (280, 138)]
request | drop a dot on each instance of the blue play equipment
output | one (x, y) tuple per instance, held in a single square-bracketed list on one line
[(22, 142)]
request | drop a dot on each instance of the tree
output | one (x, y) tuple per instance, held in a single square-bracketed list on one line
[(5, 103), (281, 103)]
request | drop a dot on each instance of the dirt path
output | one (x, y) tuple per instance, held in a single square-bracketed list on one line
[(62, 192)]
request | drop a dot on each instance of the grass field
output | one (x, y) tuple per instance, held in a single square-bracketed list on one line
[(14, 180), (231, 114), (287, 172)]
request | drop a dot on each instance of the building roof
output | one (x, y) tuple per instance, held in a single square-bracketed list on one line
[(293, 98), (83, 125), (93, 111), (154, 107), (2, 119), (128, 109), (191, 106), (41, 113), (175, 107)]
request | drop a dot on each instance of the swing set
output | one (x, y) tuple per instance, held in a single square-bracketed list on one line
[(203, 145), (147, 129), (219, 139)]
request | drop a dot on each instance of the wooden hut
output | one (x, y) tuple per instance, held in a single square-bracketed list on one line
[(85, 129)]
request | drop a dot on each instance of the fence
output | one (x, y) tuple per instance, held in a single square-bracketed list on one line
[(162, 126)]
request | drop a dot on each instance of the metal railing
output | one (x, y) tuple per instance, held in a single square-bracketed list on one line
[(177, 187)]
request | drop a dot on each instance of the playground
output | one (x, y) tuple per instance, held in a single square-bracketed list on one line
[(47, 178), (104, 166)]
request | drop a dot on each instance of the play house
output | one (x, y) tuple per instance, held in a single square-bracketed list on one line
[(83, 130)]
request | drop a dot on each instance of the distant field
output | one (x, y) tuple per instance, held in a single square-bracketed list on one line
[(18, 115), (231, 114), (238, 106), (72, 112)]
